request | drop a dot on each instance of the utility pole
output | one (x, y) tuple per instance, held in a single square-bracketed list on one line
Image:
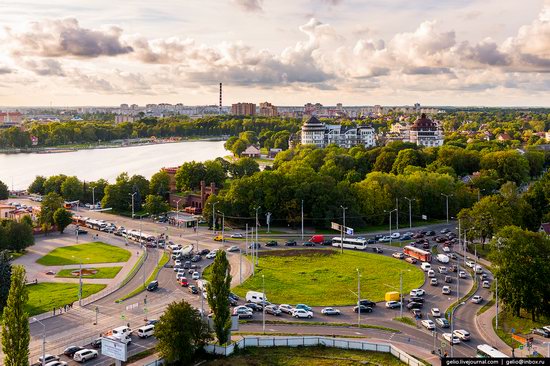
[(358, 298), (410, 211), (240, 266), (263, 304), (93, 197), (496, 302), (178, 210), (453, 326), (43, 341), (390, 212), (268, 219), (257, 225), (133, 195), (401, 294), (302, 220), (397, 213), (342, 235), (214, 216), (447, 204), (197, 227)]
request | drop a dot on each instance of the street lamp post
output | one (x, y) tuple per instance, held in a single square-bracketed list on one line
[(401, 294), (257, 225), (93, 198), (410, 211), (343, 228), (302, 220), (223, 225), (496, 302), (268, 219), (390, 212), (447, 204), (358, 298), (453, 326), (43, 341), (133, 195), (263, 304), (213, 215), (178, 210), (397, 213)]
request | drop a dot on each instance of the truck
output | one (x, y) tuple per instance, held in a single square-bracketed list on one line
[(442, 258), (255, 297), (317, 239), (392, 296)]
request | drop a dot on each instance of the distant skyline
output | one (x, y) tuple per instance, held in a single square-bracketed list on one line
[(387, 52)]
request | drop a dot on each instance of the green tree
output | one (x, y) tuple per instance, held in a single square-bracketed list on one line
[(510, 165), (189, 176), (155, 205), (71, 189), (19, 235), (244, 167), (160, 184), (239, 146), (218, 290), (62, 218), (118, 195), (54, 183), (384, 161), (405, 158), (5, 277), (4, 192), (50, 203), (180, 333), (228, 145), (215, 173), (37, 186), (15, 329)]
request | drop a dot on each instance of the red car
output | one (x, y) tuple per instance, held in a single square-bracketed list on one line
[(183, 282)]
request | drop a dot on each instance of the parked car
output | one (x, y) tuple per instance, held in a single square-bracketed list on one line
[(242, 312), (395, 235), (431, 273), (151, 322), (193, 289), (430, 233), (393, 304), (290, 243), (196, 258), (85, 355), (486, 284), (442, 322), (362, 309), (196, 276), (428, 324), (415, 305), (254, 245), (435, 312), (398, 255), (448, 279), (301, 313), (417, 292), (234, 296), (366, 302), (444, 231), (442, 269), (285, 308), (57, 363), (451, 338), (303, 306), (153, 285), (183, 282), (330, 311), (411, 260), (384, 239), (96, 343), (541, 332), (204, 252), (71, 350), (48, 358), (477, 299), (462, 334), (273, 310), (253, 306), (212, 254)]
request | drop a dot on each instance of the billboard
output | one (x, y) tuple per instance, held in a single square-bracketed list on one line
[(113, 348)]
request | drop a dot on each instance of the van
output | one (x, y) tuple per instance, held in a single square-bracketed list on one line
[(317, 239), (431, 273), (121, 331), (146, 331), (426, 266), (255, 297), (85, 355), (478, 269), (391, 296)]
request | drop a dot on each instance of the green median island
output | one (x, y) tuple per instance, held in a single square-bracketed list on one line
[(46, 296), (311, 356), (87, 253), (326, 277), (89, 272)]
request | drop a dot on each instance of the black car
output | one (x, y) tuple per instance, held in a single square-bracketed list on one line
[(416, 299), (541, 332), (253, 306), (234, 296), (416, 313), (70, 351), (430, 233), (362, 309), (308, 244), (81, 231), (327, 242), (196, 258), (414, 305), (368, 303), (405, 237), (204, 252), (187, 265), (193, 289), (271, 243), (232, 301), (154, 285), (371, 241), (254, 245), (377, 250), (96, 343), (290, 243), (151, 322)]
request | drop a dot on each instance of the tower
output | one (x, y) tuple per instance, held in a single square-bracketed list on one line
[(220, 107)]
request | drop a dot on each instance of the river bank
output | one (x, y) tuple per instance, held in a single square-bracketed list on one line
[(108, 145)]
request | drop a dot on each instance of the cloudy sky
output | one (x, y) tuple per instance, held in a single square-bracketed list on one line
[(288, 52)]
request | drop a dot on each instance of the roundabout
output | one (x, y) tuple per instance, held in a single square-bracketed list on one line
[(326, 277)]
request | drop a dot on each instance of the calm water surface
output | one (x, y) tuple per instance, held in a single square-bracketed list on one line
[(105, 163)]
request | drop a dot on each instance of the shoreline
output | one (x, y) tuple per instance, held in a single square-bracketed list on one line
[(127, 143)]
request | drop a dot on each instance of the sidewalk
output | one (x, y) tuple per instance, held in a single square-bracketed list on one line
[(484, 324), (145, 361)]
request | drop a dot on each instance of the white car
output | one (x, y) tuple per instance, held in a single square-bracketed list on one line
[(428, 324), (177, 263), (301, 313), (212, 254), (462, 274), (233, 248), (57, 363), (85, 355), (48, 358), (477, 299), (431, 273), (436, 313), (442, 269), (398, 255), (395, 235), (196, 276), (393, 304), (446, 249), (384, 239), (237, 235), (470, 264), (286, 308), (330, 311), (451, 339), (486, 284), (462, 334), (445, 290), (417, 292)]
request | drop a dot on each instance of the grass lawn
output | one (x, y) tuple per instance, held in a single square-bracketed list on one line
[(102, 272), (326, 277), (43, 297), (311, 356), (89, 253), (522, 325)]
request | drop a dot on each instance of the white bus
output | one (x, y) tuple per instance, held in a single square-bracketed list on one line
[(350, 243), (486, 351)]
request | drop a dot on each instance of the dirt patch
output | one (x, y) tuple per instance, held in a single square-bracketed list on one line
[(85, 272), (297, 252)]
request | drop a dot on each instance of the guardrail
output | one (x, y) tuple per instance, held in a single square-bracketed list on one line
[(312, 341)]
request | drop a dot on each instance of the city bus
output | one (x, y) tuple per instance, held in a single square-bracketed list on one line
[(486, 351), (417, 253), (350, 243)]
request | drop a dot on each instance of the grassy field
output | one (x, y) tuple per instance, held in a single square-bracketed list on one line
[(102, 272), (45, 296), (406, 320), (522, 325), (88, 253), (311, 356), (327, 277)]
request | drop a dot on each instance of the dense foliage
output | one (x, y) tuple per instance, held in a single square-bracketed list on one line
[(218, 289), (15, 236)]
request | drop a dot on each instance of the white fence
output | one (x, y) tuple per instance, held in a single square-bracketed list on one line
[(312, 341)]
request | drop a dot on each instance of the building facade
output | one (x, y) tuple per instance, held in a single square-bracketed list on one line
[(268, 110), (315, 132), (11, 118), (243, 109), (426, 132)]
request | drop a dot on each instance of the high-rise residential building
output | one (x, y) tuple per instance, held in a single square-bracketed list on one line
[(316, 133), (426, 132), (243, 109), (268, 110)]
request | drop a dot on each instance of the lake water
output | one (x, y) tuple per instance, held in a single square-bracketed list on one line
[(90, 165)]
